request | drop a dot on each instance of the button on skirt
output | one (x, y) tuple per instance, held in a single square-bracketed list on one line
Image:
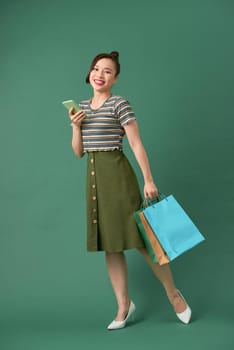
[(113, 195)]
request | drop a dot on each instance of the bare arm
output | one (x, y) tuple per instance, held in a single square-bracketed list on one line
[(132, 132), (77, 144)]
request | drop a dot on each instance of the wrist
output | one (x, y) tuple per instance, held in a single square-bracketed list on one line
[(75, 126)]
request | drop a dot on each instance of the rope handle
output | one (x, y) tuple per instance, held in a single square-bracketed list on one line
[(148, 201)]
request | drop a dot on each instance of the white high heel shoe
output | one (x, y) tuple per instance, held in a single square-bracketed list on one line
[(184, 316), (121, 324)]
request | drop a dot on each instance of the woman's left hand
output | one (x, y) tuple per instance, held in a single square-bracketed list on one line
[(150, 190)]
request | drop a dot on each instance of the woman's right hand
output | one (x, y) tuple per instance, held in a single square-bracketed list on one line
[(76, 118)]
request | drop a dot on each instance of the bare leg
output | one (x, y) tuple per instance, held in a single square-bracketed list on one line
[(117, 269), (163, 273)]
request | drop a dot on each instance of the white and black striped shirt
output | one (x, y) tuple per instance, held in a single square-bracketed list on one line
[(102, 129)]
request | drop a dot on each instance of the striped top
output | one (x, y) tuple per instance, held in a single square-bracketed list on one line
[(103, 129)]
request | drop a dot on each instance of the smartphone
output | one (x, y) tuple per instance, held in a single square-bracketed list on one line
[(71, 104)]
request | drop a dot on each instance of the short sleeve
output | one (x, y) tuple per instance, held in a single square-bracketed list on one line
[(124, 111)]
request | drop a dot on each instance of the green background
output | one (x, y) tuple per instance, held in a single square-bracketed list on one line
[(177, 71)]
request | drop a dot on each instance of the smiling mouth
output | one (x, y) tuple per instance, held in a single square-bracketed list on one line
[(99, 82)]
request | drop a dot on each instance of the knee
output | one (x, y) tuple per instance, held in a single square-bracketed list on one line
[(114, 256)]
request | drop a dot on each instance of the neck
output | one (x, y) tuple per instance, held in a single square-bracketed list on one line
[(98, 98)]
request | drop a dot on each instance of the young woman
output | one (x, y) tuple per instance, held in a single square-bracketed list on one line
[(113, 193)]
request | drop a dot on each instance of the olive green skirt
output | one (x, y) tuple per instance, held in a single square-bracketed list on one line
[(113, 195)]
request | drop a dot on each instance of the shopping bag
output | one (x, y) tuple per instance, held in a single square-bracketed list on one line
[(173, 227), (144, 236), (152, 244), (162, 257)]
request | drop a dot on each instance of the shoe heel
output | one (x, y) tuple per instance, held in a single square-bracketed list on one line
[(132, 317)]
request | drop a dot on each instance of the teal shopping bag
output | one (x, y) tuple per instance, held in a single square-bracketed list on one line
[(173, 227)]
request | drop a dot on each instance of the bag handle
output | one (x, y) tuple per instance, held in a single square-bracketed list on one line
[(148, 201)]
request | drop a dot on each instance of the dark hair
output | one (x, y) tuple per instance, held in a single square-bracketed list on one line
[(114, 56)]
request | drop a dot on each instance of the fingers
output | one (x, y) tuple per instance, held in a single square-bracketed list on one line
[(151, 193), (71, 112), (76, 118)]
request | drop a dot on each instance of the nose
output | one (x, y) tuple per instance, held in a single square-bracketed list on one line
[(100, 74)]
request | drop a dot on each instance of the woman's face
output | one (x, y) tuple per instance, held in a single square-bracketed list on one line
[(103, 75)]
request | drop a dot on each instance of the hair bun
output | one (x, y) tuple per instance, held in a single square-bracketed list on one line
[(115, 54)]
